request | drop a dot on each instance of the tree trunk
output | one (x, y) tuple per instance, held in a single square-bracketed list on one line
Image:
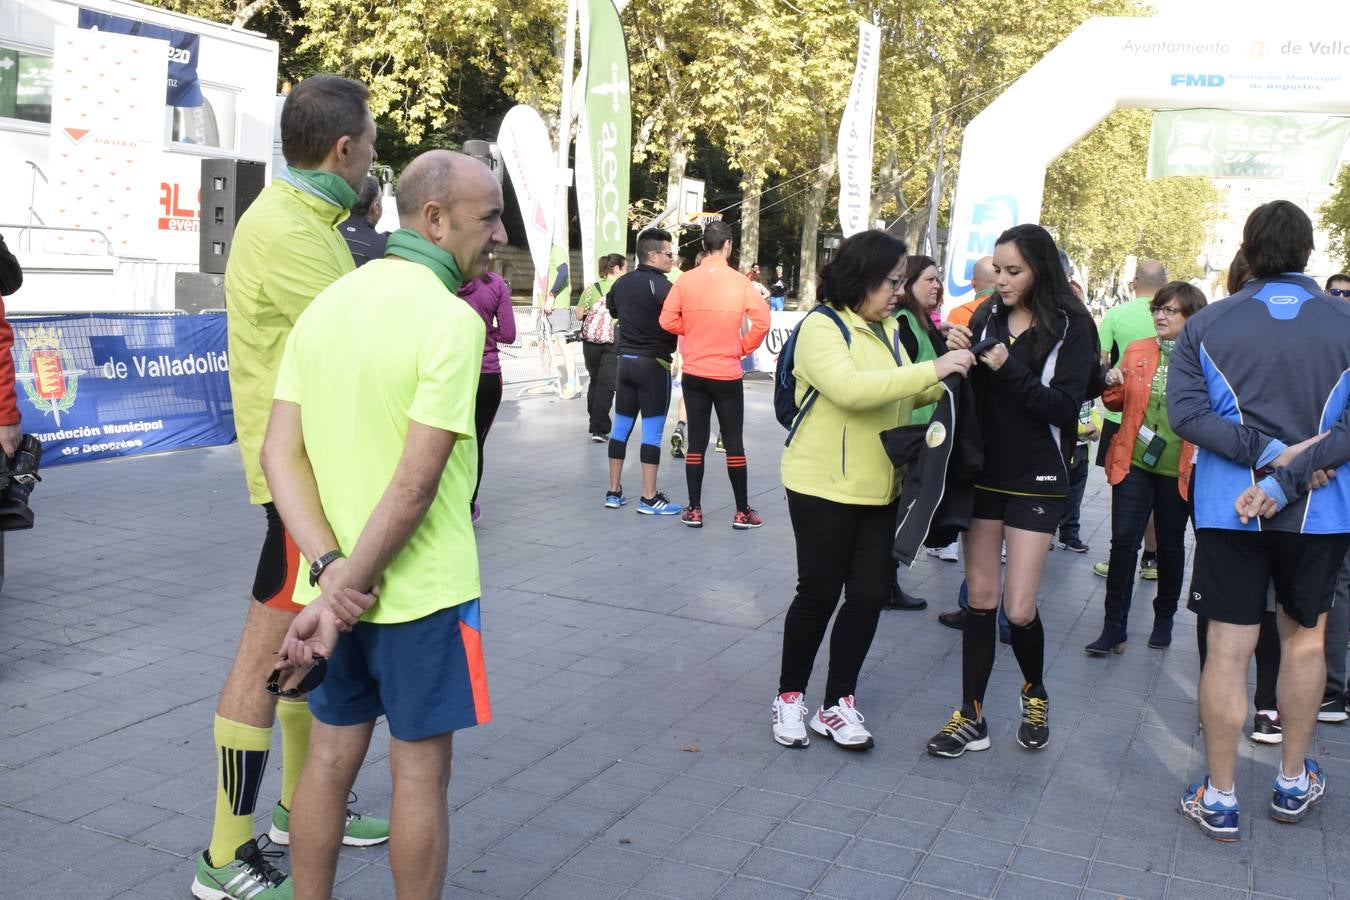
[(678, 152), (750, 201), (815, 206)]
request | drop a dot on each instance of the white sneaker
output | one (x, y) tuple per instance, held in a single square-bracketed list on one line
[(789, 720), (843, 724), (948, 553)]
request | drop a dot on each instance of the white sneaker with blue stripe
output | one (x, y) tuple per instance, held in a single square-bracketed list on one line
[(658, 505)]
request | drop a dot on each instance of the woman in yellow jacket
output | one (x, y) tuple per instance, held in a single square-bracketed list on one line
[(841, 486)]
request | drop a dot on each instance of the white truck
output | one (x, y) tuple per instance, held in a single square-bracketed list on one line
[(103, 219)]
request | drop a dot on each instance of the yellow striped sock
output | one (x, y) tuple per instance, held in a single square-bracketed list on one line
[(241, 759), (295, 719)]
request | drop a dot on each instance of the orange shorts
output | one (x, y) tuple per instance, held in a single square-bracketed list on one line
[(278, 566)]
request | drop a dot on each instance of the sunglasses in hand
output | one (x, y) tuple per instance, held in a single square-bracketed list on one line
[(309, 682)]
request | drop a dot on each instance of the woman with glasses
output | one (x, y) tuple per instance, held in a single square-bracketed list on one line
[(1148, 468), (1038, 346), (842, 488)]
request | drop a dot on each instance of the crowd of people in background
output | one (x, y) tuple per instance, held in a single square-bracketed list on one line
[(1231, 415)]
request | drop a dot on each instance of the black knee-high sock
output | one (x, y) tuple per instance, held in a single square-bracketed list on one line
[(1028, 644), (693, 477), (739, 481), (977, 656)]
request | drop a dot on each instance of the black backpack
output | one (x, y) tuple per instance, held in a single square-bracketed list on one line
[(785, 407)]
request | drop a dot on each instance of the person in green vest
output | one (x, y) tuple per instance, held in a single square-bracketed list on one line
[(1121, 326), (920, 295)]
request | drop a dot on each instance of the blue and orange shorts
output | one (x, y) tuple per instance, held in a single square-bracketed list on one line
[(426, 677)]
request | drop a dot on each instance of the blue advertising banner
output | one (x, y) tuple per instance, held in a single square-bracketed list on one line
[(183, 89), (98, 386)]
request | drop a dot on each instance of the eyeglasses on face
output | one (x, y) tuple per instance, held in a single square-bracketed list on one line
[(895, 281), (1171, 311), (1340, 292)]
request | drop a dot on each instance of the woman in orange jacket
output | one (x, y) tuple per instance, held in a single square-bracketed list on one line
[(1149, 469)]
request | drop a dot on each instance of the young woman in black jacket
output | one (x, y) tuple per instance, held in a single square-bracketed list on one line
[(1033, 380)]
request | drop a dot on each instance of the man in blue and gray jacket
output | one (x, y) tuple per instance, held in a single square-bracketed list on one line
[(1256, 379)]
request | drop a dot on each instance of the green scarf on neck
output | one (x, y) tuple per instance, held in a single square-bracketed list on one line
[(408, 244), (325, 185)]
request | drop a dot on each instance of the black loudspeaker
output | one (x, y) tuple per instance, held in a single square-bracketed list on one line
[(229, 186)]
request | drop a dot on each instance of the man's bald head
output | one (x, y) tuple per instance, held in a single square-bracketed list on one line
[(455, 202), (982, 279), (1149, 277)]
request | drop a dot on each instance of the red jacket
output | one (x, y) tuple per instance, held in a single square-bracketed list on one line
[(1130, 398)]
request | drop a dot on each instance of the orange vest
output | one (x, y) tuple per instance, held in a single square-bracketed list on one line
[(1130, 398)]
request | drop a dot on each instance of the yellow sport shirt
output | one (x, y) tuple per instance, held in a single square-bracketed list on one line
[(386, 345), (286, 250)]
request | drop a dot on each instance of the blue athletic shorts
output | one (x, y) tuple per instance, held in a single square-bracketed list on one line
[(426, 677)]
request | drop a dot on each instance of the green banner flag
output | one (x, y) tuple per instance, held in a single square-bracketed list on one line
[(604, 140), (1222, 144)]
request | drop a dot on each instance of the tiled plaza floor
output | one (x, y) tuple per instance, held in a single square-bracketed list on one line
[(631, 663)]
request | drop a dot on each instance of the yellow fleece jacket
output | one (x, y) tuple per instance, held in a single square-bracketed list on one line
[(836, 453)]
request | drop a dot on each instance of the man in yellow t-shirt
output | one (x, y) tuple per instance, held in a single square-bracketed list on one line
[(371, 457), (286, 250)]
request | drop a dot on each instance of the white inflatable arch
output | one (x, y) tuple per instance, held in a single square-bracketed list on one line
[(1280, 61)]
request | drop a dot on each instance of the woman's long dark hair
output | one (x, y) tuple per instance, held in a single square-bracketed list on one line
[(914, 267), (1050, 293), (861, 264)]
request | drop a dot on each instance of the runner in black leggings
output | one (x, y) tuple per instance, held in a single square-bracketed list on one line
[(707, 306), (643, 384)]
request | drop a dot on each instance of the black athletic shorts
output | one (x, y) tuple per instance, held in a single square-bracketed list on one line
[(1040, 514), (1234, 569)]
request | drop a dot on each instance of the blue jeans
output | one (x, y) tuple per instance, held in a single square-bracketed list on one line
[(1004, 626), (776, 303), (1078, 474), (1138, 496)]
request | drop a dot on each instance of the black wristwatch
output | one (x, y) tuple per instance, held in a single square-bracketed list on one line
[(323, 562)]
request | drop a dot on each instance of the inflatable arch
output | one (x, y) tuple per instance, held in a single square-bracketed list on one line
[(1277, 63)]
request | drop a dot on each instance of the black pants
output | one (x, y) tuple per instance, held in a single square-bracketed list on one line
[(701, 397), (602, 364), (642, 387), (839, 546), (1069, 527), (1142, 494), (488, 401)]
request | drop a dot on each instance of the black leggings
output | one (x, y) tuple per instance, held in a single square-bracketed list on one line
[(643, 388), (601, 364), (839, 546), (488, 401), (701, 397)]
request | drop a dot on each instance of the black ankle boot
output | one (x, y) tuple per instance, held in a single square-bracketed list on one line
[(1162, 632), (1112, 640)]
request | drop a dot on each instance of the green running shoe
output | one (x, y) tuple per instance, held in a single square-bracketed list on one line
[(361, 831), (1102, 569), (249, 876)]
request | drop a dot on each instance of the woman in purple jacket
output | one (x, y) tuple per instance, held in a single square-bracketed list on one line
[(490, 296)]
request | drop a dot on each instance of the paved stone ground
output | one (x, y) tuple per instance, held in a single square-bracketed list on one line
[(631, 662)]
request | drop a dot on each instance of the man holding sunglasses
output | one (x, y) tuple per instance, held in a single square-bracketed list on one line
[(371, 458)]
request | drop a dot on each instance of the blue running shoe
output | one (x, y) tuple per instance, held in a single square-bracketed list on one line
[(1291, 805), (658, 505), (1220, 823), (615, 499)]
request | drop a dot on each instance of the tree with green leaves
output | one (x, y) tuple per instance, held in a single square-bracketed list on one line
[(1335, 219)]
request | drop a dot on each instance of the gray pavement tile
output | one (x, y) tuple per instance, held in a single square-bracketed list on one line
[(828, 815), (1284, 883), (609, 864), (714, 852), (999, 828), (500, 876), (1060, 840), (561, 886), (1021, 887), (808, 841), (1135, 855), (609, 797), (697, 790), (783, 868), (884, 859), (768, 803), (952, 875), (1185, 889), (741, 826), (928, 812), (540, 845), (1126, 882), (634, 833), (846, 883), (900, 832), (972, 849), (1044, 864), (671, 811), (506, 804), (749, 889), (669, 878)]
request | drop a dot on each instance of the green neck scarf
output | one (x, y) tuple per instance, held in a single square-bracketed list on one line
[(324, 185), (408, 244)]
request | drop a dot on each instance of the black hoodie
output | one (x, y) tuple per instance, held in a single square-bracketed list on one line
[(1028, 409)]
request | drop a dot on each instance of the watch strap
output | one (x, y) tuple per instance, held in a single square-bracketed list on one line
[(323, 562)]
